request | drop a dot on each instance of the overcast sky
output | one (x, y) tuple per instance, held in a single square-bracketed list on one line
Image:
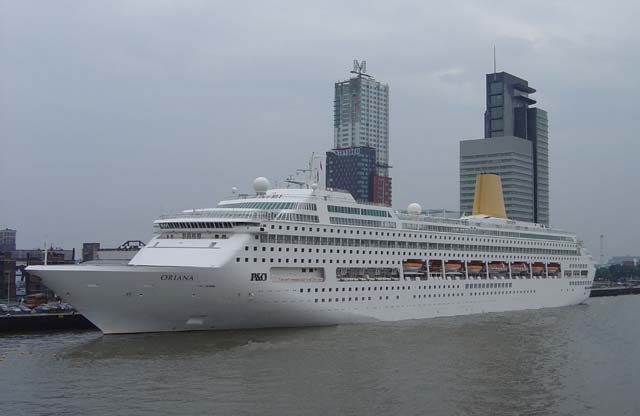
[(112, 113)]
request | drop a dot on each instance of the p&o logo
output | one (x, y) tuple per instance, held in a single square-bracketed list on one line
[(258, 277)]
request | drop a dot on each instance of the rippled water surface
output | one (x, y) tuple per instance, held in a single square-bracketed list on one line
[(581, 360)]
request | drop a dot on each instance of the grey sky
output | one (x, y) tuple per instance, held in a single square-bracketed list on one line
[(112, 113)]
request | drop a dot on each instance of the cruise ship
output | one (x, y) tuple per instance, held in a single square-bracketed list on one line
[(311, 257)]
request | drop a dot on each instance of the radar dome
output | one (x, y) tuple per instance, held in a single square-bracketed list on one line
[(234, 190), (414, 209), (314, 186), (261, 184)]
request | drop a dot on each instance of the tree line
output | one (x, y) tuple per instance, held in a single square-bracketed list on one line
[(616, 272)]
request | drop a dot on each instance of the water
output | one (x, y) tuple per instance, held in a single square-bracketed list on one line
[(581, 360)]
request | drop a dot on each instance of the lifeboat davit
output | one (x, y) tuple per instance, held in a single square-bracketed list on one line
[(553, 268), (435, 267), (497, 267), (537, 268)]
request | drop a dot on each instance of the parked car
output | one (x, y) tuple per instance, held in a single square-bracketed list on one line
[(4, 309), (66, 307), (24, 308), (55, 308), (15, 310), (43, 309)]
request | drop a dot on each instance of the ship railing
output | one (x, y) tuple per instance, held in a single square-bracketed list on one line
[(251, 196), (434, 219), (224, 214), (428, 218)]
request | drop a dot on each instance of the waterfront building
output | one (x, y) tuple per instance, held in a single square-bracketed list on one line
[(512, 159), (361, 115), (354, 169), (7, 277), (381, 189), (121, 254), (89, 251), (7, 240), (361, 121), (625, 260), (350, 169), (515, 146)]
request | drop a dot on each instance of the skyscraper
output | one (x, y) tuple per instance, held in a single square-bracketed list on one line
[(361, 120), (515, 147)]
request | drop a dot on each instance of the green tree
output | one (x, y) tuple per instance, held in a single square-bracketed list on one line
[(603, 273)]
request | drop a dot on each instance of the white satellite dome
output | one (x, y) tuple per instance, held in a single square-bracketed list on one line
[(261, 184), (414, 209)]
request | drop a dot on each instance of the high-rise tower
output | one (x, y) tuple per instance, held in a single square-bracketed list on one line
[(515, 147), (361, 115), (361, 120)]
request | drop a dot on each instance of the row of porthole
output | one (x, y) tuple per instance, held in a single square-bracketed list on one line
[(415, 253), (383, 252), (454, 247), (580, 283), (425, 287), (356, 299), (324, 261), (362, 289), (375, 288)]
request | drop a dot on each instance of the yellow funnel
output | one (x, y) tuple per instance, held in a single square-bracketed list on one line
[(488, 199)]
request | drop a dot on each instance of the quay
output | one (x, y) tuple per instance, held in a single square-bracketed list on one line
[(44, 322), (614, 291)]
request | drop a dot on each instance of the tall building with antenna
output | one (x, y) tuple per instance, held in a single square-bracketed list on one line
[(361, 120), (515, 146)]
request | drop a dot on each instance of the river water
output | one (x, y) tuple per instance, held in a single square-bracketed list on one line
[(580, 360)]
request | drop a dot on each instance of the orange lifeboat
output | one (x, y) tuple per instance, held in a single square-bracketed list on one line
[(537, 268), (519, 268), (412, 265), (453, 267)]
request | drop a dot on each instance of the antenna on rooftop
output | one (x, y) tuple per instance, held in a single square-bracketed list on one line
[(360, 68), (495, 70), (601, 250)]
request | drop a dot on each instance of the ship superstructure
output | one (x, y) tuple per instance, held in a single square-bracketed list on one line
[(301, 257)]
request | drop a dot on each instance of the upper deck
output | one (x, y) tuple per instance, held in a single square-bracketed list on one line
[(332, 207)]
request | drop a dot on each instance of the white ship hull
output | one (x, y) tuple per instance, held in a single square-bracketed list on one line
[(132, 299)]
